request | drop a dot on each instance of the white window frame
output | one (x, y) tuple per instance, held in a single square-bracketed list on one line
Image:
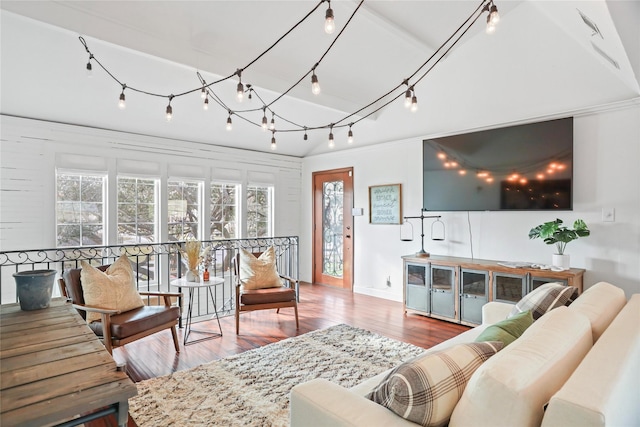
[(270, 209), (156, 207), (200, 225)]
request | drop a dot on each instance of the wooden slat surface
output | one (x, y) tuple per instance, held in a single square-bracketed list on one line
[(53, 367)]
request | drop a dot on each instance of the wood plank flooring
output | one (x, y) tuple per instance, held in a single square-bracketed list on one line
[(319, 307)]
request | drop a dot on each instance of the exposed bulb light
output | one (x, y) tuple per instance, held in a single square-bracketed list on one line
[(489, 179), (407, 98), (491, 27), (350, 136), (240, 92), (305, 134), (89, 67), (315, 85), (203, 93), (462, 172), (447, 164), (414, 104), (264, 119), (273, 141), (331, 142), (442, 155), (169, 110), (121, 103), (494, 16), (229, 122), (329, 23), (272, 125), (540, 176), (453, 164), (205, 105)]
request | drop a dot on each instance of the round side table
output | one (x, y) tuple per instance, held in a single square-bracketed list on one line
[(192, 286)]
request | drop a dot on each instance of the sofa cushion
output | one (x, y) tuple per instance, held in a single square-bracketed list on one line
[(113, 289), (601, 303), (507, 330), (603, 390), (512, 387), (426, 389), (261, 272), (545, 298)]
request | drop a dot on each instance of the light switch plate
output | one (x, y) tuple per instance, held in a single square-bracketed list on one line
[(608, 214)]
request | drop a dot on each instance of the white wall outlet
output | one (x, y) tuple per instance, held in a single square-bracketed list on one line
[(608, 214)]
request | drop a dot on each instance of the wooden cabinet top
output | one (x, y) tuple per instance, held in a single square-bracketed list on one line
[(484, 264)]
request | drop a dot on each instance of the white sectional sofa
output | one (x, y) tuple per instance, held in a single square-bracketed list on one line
[(552, 375)]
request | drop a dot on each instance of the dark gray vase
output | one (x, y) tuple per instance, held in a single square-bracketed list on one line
[(34, 288)]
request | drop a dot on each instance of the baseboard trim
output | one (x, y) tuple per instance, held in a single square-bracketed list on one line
[(380, 293)]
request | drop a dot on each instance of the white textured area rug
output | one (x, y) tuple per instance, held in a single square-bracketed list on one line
[(252, 388)]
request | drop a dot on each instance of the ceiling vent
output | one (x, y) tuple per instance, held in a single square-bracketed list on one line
[(591, 24), (605, 55)]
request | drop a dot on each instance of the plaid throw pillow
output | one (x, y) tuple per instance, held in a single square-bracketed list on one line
[(425, 390), (544, 299)]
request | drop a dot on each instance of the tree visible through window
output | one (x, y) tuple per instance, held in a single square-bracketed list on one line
[(224, 208), (259, 211), (80, 219), (184, 205), (137, 210)]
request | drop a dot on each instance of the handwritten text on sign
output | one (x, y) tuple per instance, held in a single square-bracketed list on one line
[(385, 204)]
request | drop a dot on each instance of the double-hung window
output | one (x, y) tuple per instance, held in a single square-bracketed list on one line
[(184, 207), (80, 209), (224, 210), (259, 211), (137, 210)]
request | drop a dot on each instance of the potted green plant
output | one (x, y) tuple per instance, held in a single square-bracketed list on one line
[(554, 233)]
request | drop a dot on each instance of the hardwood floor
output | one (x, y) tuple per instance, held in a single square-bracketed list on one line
[(319, 307)]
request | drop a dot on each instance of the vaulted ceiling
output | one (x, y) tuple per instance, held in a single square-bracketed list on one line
[(546, 59)]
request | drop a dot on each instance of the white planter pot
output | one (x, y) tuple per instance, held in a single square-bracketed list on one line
[(560, 261)]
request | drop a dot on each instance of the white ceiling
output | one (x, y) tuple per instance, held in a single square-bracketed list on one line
[(542, 62)]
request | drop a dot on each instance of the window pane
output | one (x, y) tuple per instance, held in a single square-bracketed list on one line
[(223, 211), (184, 204), (79, 209), (259, 208), (137, 209)]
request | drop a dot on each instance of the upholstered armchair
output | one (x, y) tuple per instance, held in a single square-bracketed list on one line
[(259, 286), (118, 326)]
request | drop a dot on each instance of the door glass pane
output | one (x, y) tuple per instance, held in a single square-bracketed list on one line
[(441, 279), (473, 283), (332, 200), (508, 288), (416, 275)]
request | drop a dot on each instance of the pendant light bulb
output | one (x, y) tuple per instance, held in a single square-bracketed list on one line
[(491, 27), (494, 16), (203, 93), (121, 103), (331, 142), (414, 104), (264, 121), (240, 92), (229, 123), (205, 104), (329, 24), (315, 85), (169, 112), (273, 141), (305, 137), (407, 98), (350, 136), (272, 125), (89, 68)]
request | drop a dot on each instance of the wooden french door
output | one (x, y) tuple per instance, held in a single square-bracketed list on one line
[(333, 228)]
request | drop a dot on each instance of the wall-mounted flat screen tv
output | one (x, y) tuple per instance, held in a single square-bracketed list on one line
[(524, 167)]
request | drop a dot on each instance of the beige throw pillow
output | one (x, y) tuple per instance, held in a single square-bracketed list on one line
[(112, 289), (259, 273)]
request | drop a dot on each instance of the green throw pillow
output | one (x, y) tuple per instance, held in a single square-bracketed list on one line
[(507, 330)]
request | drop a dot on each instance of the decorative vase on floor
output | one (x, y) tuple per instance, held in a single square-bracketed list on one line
[(561, 261), (34, 288)]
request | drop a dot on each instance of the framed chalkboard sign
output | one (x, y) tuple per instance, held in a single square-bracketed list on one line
[(385, 204)]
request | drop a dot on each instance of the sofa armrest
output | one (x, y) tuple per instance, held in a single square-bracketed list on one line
[(319, 403), (495, 311)]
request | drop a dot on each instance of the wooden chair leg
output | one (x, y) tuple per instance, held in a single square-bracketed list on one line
[(176, 343), (237, 321), (295, 307), (277, 310)]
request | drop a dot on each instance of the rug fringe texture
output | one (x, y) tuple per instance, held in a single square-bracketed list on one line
[(252, 388)]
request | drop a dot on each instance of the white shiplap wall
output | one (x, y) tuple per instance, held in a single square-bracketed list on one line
[(30, 151)]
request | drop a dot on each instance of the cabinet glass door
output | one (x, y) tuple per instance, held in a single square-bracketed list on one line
[(417, 291), (443, 291), (473, 294), (537, 281), (508, 287)]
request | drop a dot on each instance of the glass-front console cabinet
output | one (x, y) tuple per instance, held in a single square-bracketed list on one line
[(455, 289)]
